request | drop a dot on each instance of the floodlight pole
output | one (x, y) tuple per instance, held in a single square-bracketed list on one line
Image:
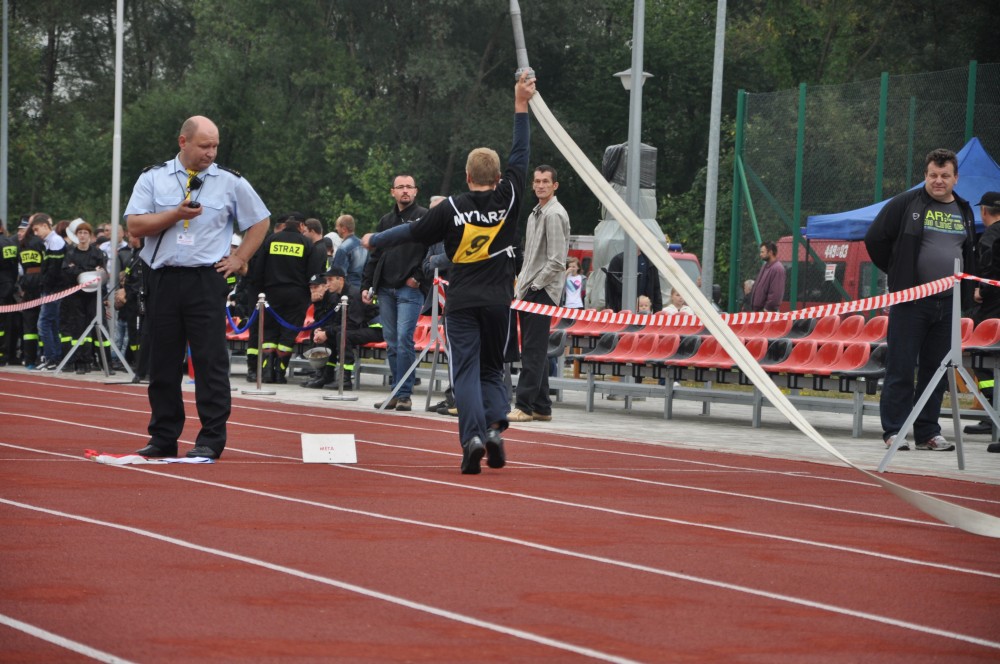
[(712, 178), (630, 262)]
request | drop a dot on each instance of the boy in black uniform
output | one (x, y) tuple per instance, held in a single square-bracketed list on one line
[(282, 267), (360, 330), (80, 308), (479, 231)]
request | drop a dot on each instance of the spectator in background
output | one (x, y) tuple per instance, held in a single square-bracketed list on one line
[(351, 256), (648, 282), (643, 305), (362, 328), (769, 287), (80, 308), (915, 239), (988, 267), (393, 276), (312, 229), (576, 285), (542, 280), (677, 304), (747, 290), (48, 318)]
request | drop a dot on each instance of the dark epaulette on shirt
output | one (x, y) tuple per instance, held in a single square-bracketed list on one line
[(230, 170), (149, 168)]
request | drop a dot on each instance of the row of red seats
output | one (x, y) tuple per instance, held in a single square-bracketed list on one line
[(829, 328), (828, 350)]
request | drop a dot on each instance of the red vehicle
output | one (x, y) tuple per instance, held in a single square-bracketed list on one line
[(582, 247), (829, 271)]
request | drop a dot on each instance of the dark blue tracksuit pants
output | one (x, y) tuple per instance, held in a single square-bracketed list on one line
[(477, 339)]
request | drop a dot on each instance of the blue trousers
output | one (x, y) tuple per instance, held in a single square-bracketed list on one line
[(917, 340), (48, 330), (399, 309), (477, 341)]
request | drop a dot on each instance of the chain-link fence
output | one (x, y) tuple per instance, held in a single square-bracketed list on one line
[(829, 149)]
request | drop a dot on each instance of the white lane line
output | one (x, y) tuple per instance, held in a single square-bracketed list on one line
[(342, 585), (580, 448), (573, 505), (61, 641), (444, 613), (509, 494)]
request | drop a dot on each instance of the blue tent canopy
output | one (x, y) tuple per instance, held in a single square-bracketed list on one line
[(977, 174)]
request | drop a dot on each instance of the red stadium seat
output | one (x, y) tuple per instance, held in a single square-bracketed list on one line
[(802, 354), (849, 328), (777, 329), (875, 330), (824, 329), (966, 330), (854, 356), (985, 337)]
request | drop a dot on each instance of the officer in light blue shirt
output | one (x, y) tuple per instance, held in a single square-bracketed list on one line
[(186, 209)]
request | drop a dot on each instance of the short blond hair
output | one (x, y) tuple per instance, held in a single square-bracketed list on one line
[(346, 221), (483, 166)]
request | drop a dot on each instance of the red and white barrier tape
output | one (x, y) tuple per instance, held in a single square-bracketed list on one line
[(440, 283), (45, 299), (681, 320)]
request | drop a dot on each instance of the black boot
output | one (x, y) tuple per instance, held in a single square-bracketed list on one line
[(267, 365), (334, 383), (281, 367), (327, 374), (251, 367)]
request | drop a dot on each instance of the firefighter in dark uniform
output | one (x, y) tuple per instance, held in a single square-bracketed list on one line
[(362, 328), (133, 309), (80, 307), (283, 266), (31, 251), (8, 280)]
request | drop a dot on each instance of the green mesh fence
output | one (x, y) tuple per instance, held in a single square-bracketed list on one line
[(840, 165)]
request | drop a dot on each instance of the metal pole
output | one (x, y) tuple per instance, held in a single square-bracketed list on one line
[(800, 147), (883, 115), (116, 158), (970, 102), (260, 341), (735, 279), (630, 263), (519, 48), (343, 349), (4, 146), (712, 179)]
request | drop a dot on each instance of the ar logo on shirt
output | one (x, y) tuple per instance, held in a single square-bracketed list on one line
[(943, 222)]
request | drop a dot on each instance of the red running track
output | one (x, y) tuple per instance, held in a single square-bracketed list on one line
[(579, 549)]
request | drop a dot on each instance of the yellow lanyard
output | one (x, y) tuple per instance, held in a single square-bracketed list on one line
[(191, 176)]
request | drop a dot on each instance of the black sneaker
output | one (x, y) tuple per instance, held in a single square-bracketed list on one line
[(495, 455), (985, 427), (472, 453)]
